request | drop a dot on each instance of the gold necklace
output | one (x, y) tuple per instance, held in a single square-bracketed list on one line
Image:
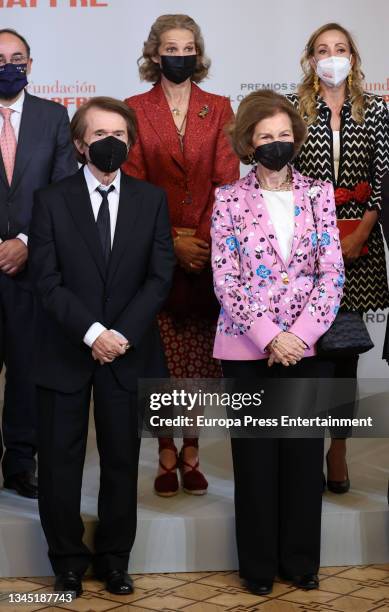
[(284, 186), (179, 130), (175, 110)]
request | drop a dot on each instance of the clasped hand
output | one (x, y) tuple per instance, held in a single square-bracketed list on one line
[(192, 253), (108, 346), (286, 348), (13, 256), (352, 246)]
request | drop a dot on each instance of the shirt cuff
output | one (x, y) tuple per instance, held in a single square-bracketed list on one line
[(23, 238), (93, 333)]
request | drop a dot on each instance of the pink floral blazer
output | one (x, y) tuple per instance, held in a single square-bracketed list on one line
[(261, 294)]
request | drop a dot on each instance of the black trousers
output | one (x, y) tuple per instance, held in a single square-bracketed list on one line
[(63, 430), (346, 369), (278, 488), (17, 311)]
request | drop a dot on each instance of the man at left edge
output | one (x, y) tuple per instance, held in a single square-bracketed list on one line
[(36, 150)]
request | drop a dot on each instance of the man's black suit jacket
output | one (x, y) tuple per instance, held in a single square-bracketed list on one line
[(44, 154), (75, 289)]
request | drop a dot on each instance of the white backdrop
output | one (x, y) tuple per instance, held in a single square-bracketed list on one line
[(83, 48)]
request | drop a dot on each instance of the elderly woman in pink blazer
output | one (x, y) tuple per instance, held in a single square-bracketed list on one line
[(278, 275)]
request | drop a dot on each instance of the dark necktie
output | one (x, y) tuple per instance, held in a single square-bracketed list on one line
[(103, 222)]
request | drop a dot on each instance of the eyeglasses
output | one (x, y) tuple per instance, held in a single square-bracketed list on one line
[(15, 59)]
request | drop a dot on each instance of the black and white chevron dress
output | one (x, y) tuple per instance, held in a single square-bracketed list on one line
[(364, 156)]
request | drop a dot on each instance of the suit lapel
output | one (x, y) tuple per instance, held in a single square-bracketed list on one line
[(159, 114), (254, 197), (256, 201), (199, 120), (127, 214), (80, 207), (3, 175), (29, 134)]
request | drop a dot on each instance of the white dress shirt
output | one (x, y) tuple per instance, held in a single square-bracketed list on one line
[(96, 198), (16, 118), (113, 204), (280, 206)]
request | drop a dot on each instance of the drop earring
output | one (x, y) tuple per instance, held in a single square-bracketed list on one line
[(350, 80), (316, 86)]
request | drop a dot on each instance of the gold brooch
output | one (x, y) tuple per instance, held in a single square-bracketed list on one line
[(204, 112), (285, 278)]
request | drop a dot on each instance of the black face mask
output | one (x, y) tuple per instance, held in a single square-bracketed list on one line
[(108, 154), (178, 68), (274, 155), (13, 78)]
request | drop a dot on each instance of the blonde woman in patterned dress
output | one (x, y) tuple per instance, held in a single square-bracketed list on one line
[(347, 144)]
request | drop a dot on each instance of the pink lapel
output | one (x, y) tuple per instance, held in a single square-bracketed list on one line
[(299, 185), (257, 204)]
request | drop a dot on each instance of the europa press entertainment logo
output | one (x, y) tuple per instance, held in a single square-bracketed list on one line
[(52, 3)]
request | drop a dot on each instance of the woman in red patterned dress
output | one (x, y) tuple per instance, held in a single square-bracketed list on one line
[(183, 148)]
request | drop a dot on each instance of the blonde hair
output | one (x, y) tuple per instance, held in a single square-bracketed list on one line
[(306, 89), (149, 70)]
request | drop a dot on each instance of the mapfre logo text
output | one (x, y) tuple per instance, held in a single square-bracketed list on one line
[(4, 4)]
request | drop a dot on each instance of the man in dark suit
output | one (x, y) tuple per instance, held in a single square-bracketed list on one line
[(35, 150), (102, 261)]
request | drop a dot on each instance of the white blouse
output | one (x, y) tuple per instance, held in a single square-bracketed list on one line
[(280, 206), (336, 151)]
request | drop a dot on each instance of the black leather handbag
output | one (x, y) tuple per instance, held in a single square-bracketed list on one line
[(347, 335)]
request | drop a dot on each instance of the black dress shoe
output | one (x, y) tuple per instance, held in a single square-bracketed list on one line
[(68, 582), (306, 581), (338, 486), (259, 587), (24, 483), (119, 582)]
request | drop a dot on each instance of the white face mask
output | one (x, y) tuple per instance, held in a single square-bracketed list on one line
[(333, 70)]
